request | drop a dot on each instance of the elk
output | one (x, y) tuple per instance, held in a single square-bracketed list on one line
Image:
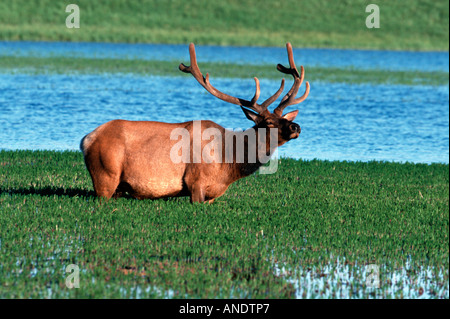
[(134, 157)]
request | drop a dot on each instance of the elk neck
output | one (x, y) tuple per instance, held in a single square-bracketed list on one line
[(252, 148)]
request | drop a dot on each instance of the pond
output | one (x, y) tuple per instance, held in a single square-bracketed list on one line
[(339, 121)]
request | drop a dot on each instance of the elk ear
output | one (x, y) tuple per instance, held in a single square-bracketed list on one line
[(252, 116), (291, 115)]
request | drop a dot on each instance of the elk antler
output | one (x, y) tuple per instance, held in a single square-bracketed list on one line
[(204, 81), (289, 98)]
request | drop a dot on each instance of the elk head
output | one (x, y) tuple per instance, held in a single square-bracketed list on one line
[(259, 113)]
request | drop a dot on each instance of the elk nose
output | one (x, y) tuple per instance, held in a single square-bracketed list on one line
[(295, 128)]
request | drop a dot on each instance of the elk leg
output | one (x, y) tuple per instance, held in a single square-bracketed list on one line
[(105, 185), (197, 193)]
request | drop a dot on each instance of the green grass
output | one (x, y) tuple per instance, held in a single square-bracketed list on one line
[(306, 215), (65, 65), (406, 25)]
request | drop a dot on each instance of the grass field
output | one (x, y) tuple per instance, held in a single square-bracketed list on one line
[(405, 25), (62, 65), (252, 242)]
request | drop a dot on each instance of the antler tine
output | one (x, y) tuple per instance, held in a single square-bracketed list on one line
[(298, 80), (257, 92), (292, 68), (289, 98), (204, 81), (193, 68), (271, 99)]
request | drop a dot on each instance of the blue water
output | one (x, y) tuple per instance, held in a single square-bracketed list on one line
[(362, 59), (339, 121)]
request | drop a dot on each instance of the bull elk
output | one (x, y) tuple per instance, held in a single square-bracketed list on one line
[(136, 157)]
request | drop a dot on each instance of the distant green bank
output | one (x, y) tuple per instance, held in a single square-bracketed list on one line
[(264, 233), (63, 65), (404, 25)]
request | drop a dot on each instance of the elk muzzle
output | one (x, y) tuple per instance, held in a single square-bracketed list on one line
[(294, 130)]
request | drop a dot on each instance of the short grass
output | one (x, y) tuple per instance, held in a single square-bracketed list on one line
[(65, 65), (307, 215), (404, 25)]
